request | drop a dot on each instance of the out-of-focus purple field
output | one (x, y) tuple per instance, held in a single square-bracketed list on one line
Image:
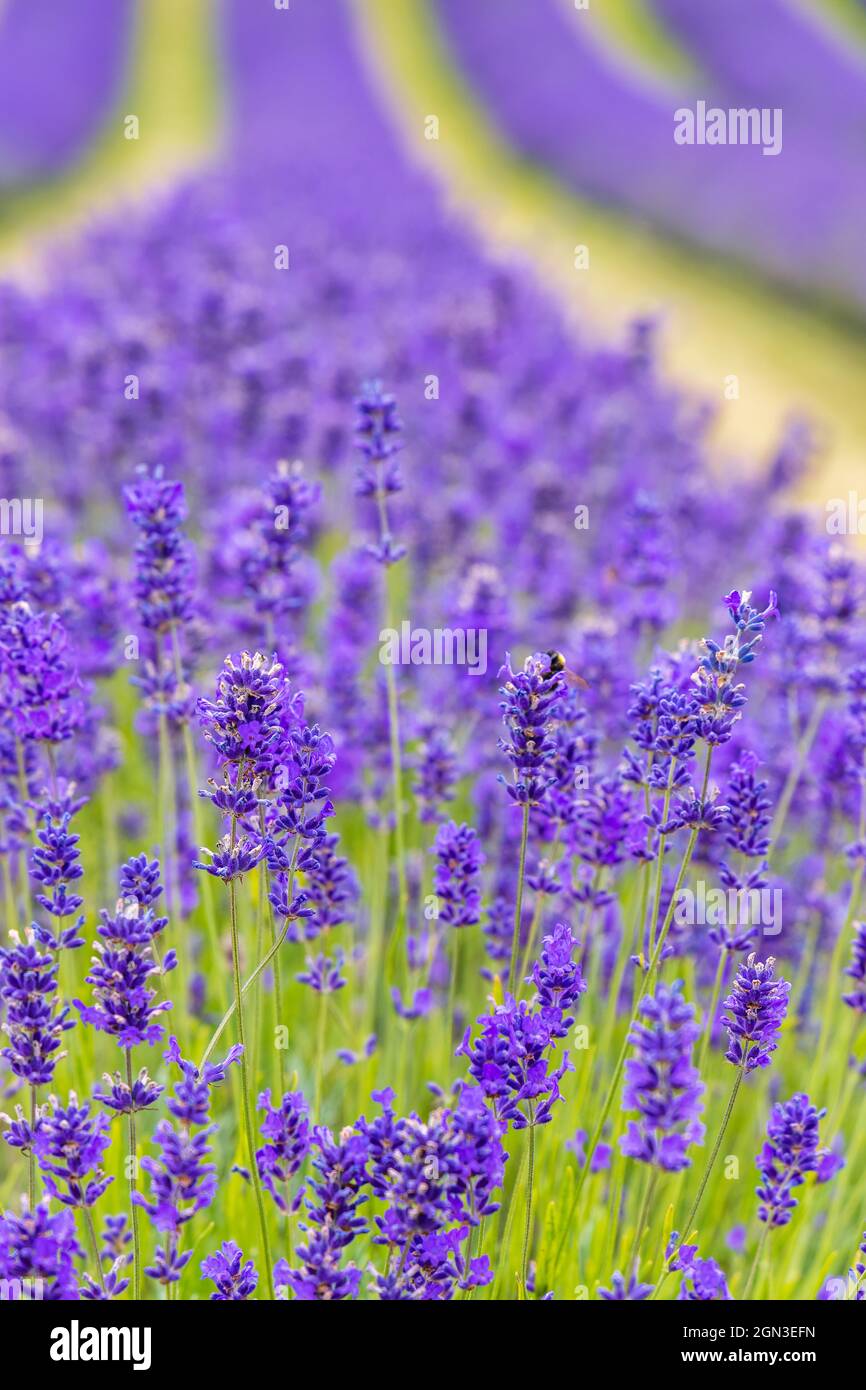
[(432, 790)]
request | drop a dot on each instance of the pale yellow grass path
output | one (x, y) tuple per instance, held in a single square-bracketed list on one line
[(172, 89), (718, 322)]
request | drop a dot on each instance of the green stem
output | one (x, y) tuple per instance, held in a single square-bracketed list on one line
[(245, 1083), (518, 908), (741, 1071), (757, 1261), (649, 1193), (31, 1166), (620, 1063), (265, 887), (536, 915), (396, 766), (88, 1217), (527, 1229), (132, 1161), (660, 861), (714, 1008), (320, 1055), (796, 772)]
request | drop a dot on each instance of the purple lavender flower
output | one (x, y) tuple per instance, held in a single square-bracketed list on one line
[(140, 879), (790, 1152), (558, 977), (304, 801), (720, 696), (703, 1280), (267, 553), (163, 556), (510, 1058), (749, 816), (54, 863), (287, 1131), (116, 1238), (436, 769), (231, 860), (331, 885), (112, 1286), (530, 697), (757, 1004), (430, 1174), (420, 1006), (39, 684), (235, 1278), (243, 721), (632, 1291), (38, 1250), (124, 1099), (182, 1180), (455, 878), (34, 1022), (856, 998), (435, 1266), (323, 974), (124, 963), (332, 1221), (69, 1143), (378, 435), (661, 1082), (509, 1061)]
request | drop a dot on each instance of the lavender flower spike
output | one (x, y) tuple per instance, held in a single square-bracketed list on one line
[(856, 998), (757, 1004), (662, 1084), (790, 1152)]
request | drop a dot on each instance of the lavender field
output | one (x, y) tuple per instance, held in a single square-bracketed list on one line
[(432, 773)]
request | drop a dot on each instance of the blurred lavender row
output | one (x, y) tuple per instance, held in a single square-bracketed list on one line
[(775, 53), (566, 103), (239, 364), (62, 68)]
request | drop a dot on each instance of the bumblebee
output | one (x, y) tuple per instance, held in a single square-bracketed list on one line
[(559, 667)]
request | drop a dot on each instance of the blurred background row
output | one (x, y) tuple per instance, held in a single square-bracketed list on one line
[(553, 129)]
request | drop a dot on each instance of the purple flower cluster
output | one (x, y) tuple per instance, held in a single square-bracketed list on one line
[(120, 971), (719, 694), (331, 1222), (163, 556), (182, 1179), (430, 1175), (661, 1082), (243, 721), (530, 697), (703, 1280), (235, 1278), (286, 1128), (69, 1144), (456, 876), (55, 864), (510, 1058), (38, 1253), (625, 1291), (792, 1149), (856, 998), (35, 1021), (378, 436), (757, 1006)]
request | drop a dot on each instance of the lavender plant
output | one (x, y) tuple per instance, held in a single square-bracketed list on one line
[(400, 963)]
